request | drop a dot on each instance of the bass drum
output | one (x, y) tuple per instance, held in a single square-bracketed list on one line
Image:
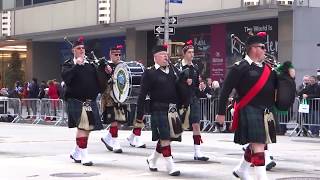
[(126, 82)]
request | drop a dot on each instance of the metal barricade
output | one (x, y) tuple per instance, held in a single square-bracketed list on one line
[(207, 113), (14, 109), (9, 109), (52, 110), (31, 109), (290, 118), (310, 122)]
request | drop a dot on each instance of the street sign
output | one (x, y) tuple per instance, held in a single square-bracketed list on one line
[(172, 20), (160, 30), (176, 1)]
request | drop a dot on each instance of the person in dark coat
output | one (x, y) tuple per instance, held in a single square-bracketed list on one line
[(309, 93), (163, 100), (82, 88), (189, 89), (251, 123), (33, 94)]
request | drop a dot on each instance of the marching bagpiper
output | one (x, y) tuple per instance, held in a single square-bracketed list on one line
[(255, 83), (82, 87), (163, 108)]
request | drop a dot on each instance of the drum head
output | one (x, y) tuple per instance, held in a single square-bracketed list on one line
[(121, 83)]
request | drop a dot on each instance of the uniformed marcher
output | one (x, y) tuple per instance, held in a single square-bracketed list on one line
[(82, 88), (115, 113), (253, 122), (190, 93), (164, 117)]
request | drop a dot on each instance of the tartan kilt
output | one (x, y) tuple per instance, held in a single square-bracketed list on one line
[(251, 127), (109, 116), (194, 111), (160, 126), (74, 109)]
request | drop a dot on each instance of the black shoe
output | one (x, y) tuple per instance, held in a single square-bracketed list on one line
[(271, 165), (108, 147), (142, 146), (117, 151), (75, 160), (175, 173), (90, 163), (271, 157), (152, 169), (203, 158), (235, 174)]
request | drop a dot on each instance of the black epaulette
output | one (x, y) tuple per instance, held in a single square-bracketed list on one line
[(237, 63), (68, 62), (151, 67), (241, 63)]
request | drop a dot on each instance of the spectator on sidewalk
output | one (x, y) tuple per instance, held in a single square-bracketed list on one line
[(204, 92), (53, 96), (215, 89), (33, 94), (310, 92), (305, 82), (42, 92)]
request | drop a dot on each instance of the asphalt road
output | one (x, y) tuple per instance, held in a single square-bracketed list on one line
[(34, 152)]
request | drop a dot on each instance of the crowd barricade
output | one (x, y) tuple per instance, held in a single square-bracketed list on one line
[(52, 110), (14, 109), (31, 109), (310, 122), (290, 119), (207, 111), (9, 109)]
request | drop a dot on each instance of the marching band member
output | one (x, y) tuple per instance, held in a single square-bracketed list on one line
[(153, 82), (255, 84), (82, 88), (189, 89), (114, 113)]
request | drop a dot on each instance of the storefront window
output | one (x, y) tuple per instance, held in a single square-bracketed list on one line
[(12, 65), (19, 3), (7, 4), (27, 2), (41, 1)]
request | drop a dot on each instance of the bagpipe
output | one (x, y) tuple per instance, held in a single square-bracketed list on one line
[(286, 86)]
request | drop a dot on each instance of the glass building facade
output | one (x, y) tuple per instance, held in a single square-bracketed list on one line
[(10, 4)]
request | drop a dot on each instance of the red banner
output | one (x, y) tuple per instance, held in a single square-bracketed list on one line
[(218, 52)]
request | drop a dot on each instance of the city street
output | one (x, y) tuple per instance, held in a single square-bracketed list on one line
[(36, 152)]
